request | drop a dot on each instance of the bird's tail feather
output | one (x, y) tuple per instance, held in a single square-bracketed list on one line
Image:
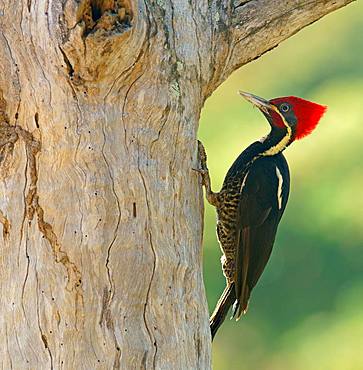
[(220, 312), (240, 306)]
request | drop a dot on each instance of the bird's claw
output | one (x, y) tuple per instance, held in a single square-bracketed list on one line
[(202, 155), (202, 171)]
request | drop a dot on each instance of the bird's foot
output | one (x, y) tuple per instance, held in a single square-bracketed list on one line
[(204, 172), (202, 156)]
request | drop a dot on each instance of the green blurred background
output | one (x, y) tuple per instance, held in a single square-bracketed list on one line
[(306, 312)]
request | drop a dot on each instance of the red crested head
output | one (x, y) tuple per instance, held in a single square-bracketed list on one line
[(300, 114)]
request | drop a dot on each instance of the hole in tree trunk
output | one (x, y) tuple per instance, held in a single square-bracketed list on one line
[(96, 11), (36, 119)]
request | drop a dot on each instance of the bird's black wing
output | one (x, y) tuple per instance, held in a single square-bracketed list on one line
[(263, 198)]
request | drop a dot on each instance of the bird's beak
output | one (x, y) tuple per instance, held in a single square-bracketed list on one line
[(262, 104)]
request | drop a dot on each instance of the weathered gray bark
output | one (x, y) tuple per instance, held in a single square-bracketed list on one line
[(100, 211)]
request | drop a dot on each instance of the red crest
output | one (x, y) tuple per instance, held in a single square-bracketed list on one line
[(308, 114)]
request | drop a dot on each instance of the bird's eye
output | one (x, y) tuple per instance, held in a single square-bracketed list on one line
[(284, 107)]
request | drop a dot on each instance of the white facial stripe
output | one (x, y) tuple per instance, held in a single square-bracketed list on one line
[(282, 117), (279, 188)]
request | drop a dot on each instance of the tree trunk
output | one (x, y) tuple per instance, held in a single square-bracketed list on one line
[(100, 210)]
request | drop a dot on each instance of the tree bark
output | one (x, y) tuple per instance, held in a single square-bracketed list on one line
[(100, 210)]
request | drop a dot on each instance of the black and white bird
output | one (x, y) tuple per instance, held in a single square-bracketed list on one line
[(253, 199)]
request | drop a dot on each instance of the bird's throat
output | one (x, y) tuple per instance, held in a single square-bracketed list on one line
[(276, 143)]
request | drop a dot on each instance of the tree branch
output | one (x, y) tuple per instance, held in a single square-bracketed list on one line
[(257, 26)]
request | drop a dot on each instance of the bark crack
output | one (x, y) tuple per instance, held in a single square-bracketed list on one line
[(240, 4), (106, 314), (164, 119), (124, 105), (33, 208), (25, 280), (42, 335), (118, 218), (17, 83), (130, 68), (70, 68), (151, 336)]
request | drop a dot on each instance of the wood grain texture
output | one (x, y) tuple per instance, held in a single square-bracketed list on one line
[(101, 214)]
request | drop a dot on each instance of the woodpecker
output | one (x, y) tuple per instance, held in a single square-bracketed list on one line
[(253, 198)]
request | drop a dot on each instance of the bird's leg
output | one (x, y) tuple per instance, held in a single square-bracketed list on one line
[(212, 197)]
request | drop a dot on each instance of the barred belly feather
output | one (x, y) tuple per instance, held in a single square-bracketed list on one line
[(229, 197)]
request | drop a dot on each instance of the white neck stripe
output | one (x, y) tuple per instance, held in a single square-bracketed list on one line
[(281, 145)]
